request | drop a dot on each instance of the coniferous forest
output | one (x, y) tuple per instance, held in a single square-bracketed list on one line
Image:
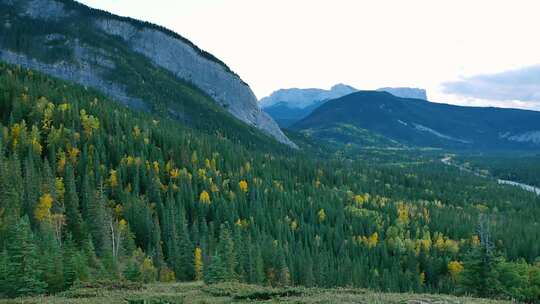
[(91, 191)]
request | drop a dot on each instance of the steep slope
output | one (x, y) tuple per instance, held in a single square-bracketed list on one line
[(142, 65), (420, 123)]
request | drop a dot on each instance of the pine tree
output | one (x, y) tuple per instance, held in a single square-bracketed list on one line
[(24, 276), (71, 201), (479, 276), (227, 253), (216, 272)]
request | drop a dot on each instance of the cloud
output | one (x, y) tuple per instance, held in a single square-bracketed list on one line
[(521, 85)]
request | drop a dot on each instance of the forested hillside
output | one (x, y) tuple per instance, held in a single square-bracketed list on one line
[(139, 64), (414, 122), (93, 191)]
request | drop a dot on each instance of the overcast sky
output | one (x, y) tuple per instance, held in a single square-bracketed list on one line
[(461, 51)]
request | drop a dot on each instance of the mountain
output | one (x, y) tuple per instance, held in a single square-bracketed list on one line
[(419, 123), (415, 93), (137, 63), (287, 106), (302, 98), (96, 197)]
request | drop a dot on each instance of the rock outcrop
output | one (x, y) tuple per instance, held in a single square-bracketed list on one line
[(163, 48)]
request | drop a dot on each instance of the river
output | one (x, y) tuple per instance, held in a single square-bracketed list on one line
[(447, 160)]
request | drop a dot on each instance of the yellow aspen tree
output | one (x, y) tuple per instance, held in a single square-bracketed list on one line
[(64, 107), (243, 186), (359, 199), (156, 167), (73, 153), (113, 178), (322, 215), (89, 123), (455, 268), (403, 213), (439, 242), (15, 134), (43, 208), (174, 173), (204, 197), (294, 225), (198, 263), (201, 173), (373, 240)]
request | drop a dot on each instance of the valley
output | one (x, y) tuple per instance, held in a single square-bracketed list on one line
[(136, 167)]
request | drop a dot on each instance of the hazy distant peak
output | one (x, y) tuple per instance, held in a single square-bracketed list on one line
[(302, 98), (405, 92)]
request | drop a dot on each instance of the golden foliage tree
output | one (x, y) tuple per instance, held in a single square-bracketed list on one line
[(243, 186), (43, 208), (322, 215), (204, 197), (198, 263), (455, 268)]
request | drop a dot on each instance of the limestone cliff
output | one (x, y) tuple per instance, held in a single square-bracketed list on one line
[(90, 64)]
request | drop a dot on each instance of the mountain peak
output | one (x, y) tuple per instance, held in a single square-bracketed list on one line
[(406, 92), (93, 47), (303, 98)]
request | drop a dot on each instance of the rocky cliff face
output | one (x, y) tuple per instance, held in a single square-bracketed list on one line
[(88, 63)]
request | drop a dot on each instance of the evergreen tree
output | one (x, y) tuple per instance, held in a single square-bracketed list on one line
[(227, 254), (216, 272), (23, 275), (71, 201), (480, 274)]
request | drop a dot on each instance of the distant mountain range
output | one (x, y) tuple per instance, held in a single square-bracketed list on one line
[(414, 122), (287, 106), (415, 93)]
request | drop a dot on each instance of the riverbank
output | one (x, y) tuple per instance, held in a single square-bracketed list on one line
[(447, 160)]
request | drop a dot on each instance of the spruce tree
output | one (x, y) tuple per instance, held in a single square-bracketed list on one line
[(23, 276), (216, 272), (74, 221), (227, 253), (480, 276)]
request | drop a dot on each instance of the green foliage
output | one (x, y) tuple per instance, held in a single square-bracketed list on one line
[(20, 274), (393, 220), (216, 271)]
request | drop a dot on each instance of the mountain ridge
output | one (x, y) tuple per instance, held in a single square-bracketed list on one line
[(87, 46), (419, 123), (287, 106)]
